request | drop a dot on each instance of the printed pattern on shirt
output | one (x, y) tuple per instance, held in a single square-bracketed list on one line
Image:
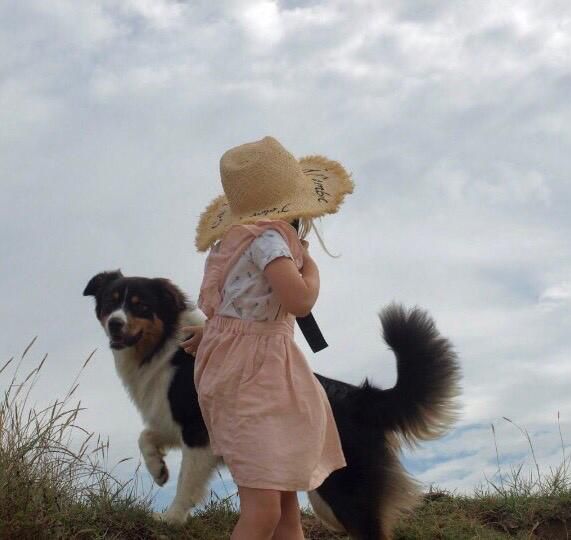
[(247, 293)]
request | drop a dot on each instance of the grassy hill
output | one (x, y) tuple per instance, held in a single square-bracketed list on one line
[(54, 484), (41, 515)]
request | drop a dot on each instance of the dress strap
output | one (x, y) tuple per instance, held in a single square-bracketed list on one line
[(224, 255)]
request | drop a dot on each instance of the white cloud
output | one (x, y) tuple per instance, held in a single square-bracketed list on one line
[(161, 14), (88, 25), (502, 183), (556, 295), (261, 19), (143, 80)]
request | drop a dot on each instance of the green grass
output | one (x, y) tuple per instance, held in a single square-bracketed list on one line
[(55, 482)]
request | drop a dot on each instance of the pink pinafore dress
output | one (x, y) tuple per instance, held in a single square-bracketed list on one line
[(266, 413)]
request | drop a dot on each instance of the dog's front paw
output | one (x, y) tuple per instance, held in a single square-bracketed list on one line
[(171, 517), (159, 470)]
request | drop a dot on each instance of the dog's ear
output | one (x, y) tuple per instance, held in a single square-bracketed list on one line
[(101, 280), (171, 296)]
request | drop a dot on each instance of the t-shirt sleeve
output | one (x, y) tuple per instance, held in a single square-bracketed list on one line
[(269, 246)]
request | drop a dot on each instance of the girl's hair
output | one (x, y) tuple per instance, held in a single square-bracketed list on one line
[(303, 226)]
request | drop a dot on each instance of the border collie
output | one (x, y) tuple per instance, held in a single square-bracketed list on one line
[(142, 318)]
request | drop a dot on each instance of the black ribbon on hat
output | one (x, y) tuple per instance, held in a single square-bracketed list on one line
[(308, 325)]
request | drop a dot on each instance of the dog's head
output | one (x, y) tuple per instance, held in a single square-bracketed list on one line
[(136, 311)]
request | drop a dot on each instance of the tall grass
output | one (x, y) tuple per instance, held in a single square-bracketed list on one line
[(520, 481), (521, 502), (54, 475)]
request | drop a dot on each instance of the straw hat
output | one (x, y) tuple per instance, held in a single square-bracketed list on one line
[(262, 180)]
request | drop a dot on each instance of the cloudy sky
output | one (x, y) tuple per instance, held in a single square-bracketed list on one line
[(453, 118)]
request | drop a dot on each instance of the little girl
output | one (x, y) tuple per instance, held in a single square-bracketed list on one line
[(265, 411)]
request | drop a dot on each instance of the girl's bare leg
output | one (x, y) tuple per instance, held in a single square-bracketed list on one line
[(289, 525), (259, 514)]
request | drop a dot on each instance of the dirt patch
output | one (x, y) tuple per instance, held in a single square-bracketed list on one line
[(553, 529)]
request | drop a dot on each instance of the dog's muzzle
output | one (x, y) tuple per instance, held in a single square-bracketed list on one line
[(119, 338)]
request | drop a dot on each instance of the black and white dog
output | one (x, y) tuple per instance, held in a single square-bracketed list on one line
[(143, 319)]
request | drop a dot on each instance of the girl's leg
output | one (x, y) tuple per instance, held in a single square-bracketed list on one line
[(289, 526), (259, 514)]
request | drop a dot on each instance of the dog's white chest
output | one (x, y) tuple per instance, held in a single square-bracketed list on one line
[(148, 387)]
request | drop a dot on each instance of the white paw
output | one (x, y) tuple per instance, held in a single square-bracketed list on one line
[(170, 517), (159, 470)]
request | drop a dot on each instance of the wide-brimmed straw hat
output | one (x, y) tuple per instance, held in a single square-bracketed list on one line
[(262, 180)]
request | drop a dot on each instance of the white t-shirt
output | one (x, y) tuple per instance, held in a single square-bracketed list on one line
[(247, 293)]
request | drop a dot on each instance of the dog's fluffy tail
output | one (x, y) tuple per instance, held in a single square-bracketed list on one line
[(422, 404)]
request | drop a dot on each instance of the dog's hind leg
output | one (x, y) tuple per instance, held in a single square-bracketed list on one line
[(323, 512), (197, 465), (153, 454), (360, 522)]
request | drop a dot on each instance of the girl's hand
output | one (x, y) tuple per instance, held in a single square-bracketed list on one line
[(190, 345)]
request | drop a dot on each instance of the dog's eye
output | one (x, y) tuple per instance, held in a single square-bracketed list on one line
[(109, 303)]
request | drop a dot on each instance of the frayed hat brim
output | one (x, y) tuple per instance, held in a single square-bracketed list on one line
[(323, 190)]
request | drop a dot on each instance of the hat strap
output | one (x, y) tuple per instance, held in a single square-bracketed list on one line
[(311, 332)]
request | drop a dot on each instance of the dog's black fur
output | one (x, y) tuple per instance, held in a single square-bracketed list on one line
[(366, 497)]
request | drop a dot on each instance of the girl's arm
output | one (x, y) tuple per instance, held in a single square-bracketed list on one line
[(297, 292)]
